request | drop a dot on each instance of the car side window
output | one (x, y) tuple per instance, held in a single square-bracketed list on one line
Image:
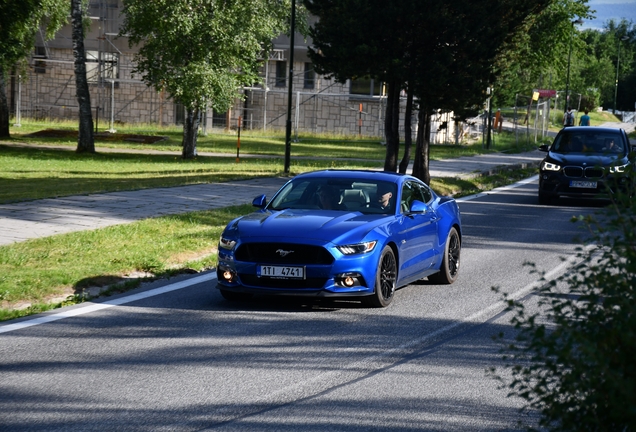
[(413, 191), (425, 192)]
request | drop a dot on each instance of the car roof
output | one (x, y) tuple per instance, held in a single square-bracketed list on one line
[(357, 174), (591, 129)]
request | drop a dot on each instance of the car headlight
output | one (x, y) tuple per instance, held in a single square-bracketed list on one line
[(359, 248), (549, 166), (618, 169), (227, 243)]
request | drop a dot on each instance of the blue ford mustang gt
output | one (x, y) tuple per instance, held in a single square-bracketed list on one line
[(347, 234)]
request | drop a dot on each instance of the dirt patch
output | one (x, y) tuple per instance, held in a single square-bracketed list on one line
[(102, 136)]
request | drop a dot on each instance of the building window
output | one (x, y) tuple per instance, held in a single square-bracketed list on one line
[(310, 76), (366, 86), (39, 66), (110, 67), (281, 69)]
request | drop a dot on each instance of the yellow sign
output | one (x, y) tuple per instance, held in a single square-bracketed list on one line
[(535, 96)]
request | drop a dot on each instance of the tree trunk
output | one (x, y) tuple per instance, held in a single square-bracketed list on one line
[(408, 131), (391, 126), (422, 146), (4, 108), (86, 140), (190, 131)]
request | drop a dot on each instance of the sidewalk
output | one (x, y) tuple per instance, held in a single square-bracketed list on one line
[(47, 217)]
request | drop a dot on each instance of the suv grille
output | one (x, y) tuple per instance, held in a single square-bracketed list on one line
[(577, 172), (283, 253)]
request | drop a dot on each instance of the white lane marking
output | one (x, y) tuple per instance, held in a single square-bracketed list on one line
[(500, 189), (348, 372), (92, 307)]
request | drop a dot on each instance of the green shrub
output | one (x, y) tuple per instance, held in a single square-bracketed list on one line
[(574, 361)]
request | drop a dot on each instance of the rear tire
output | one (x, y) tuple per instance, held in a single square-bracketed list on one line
[(385, 280), (449, 270)]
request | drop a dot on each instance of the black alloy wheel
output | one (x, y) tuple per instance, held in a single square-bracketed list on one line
[(385, 280), (450, 264)]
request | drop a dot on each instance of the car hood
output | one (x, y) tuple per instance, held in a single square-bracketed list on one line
[(585, 160), (318, 225)]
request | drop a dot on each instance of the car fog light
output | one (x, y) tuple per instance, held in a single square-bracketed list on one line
[(348, 280), (228, 276)]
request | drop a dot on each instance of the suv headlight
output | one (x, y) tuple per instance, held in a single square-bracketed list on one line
[(359, 248), (549, 166), (227, 243), (618, 169)]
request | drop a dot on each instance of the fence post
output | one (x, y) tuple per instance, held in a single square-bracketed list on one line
[(18, 114)]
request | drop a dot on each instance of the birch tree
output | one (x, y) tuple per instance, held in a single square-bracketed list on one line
[(201, 51)]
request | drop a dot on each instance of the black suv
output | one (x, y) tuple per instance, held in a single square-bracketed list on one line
[(589, 162)]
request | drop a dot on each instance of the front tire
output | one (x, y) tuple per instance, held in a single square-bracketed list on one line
[(544, 199), (385, 280), (449, 270)]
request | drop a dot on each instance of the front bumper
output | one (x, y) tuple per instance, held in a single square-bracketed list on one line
[(321, 280), (553, 185)]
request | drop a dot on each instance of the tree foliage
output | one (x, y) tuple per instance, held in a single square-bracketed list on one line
[(573, 361), (441, 52), (20, 21), (202, 51), (538, 54), (596, 61)]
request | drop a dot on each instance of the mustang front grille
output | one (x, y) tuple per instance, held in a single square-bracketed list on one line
[(283, 253), (255, 281)]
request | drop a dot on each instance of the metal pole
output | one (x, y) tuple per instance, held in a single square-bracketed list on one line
[(567, 82), (112, 107), (618, 58), (289, 94)]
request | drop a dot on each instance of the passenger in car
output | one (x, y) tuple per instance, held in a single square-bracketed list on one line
[(329, 198), (611, 146)]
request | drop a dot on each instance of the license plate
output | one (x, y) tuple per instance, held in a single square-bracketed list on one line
[(280, 272), (583, 184)]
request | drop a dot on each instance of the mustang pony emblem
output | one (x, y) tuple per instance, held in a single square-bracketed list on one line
[(283, 253)]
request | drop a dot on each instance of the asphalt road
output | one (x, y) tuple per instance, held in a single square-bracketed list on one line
[(177, 357)]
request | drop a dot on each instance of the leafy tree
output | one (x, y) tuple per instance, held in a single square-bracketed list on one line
[(201, 51), (537, 56), (20, 20), (442, 52), (86, 139), (362, 38), (573, 361)]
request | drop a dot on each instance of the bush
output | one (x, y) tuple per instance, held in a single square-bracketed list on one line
[(574, 361)]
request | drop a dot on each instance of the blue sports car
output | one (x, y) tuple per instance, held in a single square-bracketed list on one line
[(347, 234)]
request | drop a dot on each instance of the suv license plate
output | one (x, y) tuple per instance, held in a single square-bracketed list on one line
[(280, 272), (583, 184)]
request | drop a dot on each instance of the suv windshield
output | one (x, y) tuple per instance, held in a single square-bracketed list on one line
[(589, 142)]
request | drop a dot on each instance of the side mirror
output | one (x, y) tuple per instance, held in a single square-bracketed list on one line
[(544, 148), (260, 201), (418, 207)]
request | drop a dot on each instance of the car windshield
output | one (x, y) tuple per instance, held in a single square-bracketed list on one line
[(339, 194), (589, 142)]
